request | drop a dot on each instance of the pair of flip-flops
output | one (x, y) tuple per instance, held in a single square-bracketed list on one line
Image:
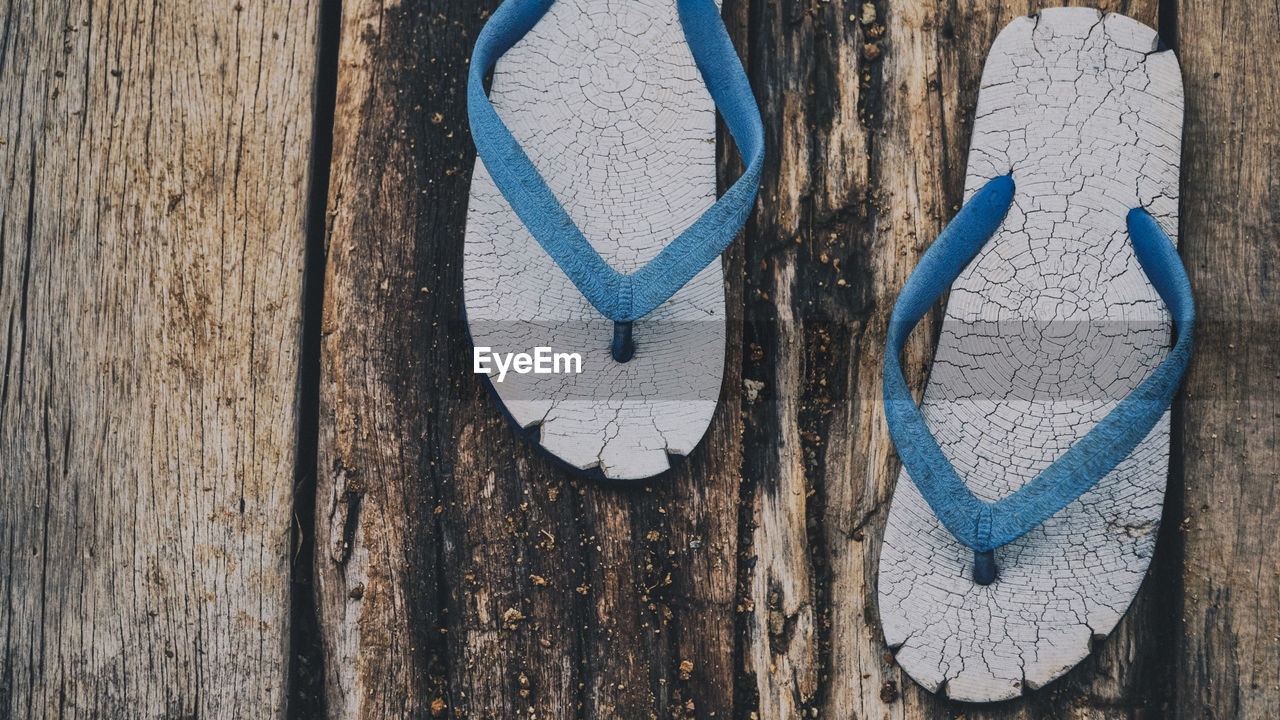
[(1039, 452)]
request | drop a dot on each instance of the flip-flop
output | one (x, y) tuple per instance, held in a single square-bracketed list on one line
[(1034, 468), (593, 227)]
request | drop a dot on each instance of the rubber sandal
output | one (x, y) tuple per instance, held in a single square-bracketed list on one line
[(1034, 468), (593, 225)]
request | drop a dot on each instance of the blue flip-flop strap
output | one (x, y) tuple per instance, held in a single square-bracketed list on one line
[(620, 297), (985, 526)]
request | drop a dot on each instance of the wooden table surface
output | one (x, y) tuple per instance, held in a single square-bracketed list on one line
[(246, 472)]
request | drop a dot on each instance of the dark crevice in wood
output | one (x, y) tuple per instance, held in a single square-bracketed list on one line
[(306, 655), (1154, 675), (822, 344), (1168, 23), (4, 38), (28, 242), (580, 606), (746, 697)]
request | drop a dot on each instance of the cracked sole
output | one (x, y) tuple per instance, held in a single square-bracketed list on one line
[(607, 102), (1044, 332)]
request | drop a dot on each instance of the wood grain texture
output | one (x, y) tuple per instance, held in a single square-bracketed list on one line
[(460, 573), (1230, 600), (377, 544), (154, 162), (154, 159)]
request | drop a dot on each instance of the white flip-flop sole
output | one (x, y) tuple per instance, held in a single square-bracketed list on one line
[(605, 98), (1050, 326)]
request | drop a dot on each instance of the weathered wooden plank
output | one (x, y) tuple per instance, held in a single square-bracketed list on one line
[(155, 163), (1230, 601), (781, 645), (491, 583), (377, 550)]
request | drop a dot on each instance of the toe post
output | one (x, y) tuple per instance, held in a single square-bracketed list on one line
[(624, 347), (984, 567)]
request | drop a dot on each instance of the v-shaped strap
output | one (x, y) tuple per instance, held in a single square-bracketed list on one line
[(620, 297), (985, 526)]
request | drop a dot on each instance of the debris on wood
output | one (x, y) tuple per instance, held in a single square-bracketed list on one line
[(868, 13), (888, 692), (511, 617)]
